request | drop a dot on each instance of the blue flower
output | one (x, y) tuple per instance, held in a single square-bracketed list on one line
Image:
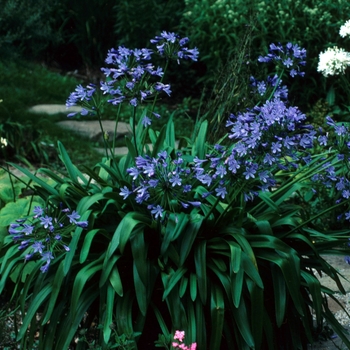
[(157, 211), (163, 87), (38, 211), (46, 221), (28, 229), (146, 121), (38, 247), (125, 192), (133, 102), (73, 217), (82, 224), (221, 191), (175, 180), (250, 171)]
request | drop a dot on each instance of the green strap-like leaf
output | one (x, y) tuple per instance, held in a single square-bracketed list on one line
[(108, 314), (124, 314), (240, 315), (69, 328), (37, 180), (314, 288), (74, 243), (56, 290), (158, 142), (34, 305), (252, 271), (289, 267), (126, 227), (107, 269), (199, 146), (72, 170), (236, 286), (85, 249), (172, 280), (200, 260), (141, 291), (193, 286), (87, 202), (85, 274), (189, 236), (116, 282), (280, 293), (175, 227), (257, 308), (170, 133), (217, 312), (183, 286)]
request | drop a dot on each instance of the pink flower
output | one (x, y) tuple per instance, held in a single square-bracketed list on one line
[(180, 335)]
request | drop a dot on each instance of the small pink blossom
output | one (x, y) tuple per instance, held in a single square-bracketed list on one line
[(180, 335)]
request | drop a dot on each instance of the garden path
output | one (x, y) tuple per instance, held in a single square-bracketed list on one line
[(91, 129)]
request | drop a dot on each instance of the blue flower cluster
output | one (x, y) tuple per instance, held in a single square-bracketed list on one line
[(332, 177), (265, 140), (41, 234), (162, 183), (132, 77), (290, 57), (165, 47), (273, 84)]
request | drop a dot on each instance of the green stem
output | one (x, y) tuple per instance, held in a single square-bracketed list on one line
[(161, 81), (115, 128), (103, 133), (134, 130), (235, 193), (276, 85), (12, 185)]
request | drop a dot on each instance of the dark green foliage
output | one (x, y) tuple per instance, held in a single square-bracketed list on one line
[(231, 278), (27, 26), (218, 26), (135, 20)]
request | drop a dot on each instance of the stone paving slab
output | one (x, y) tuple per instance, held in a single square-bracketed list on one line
[(52, 109), (92, 129)]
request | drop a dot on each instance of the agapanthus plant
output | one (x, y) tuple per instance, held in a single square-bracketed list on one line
[(41, 235), (289, 57), (133, 79), (202, 237)]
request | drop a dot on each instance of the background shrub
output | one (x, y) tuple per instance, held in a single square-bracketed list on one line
[(217, 27), (27, 26)]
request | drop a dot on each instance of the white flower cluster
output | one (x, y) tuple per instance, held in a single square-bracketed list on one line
[(3, 142), (345, 29), (333, 61)]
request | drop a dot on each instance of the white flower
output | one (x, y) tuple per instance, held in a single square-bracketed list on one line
[(333, 61), (3, 142), (345, 29)]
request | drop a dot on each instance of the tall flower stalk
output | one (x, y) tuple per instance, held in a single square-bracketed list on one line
[(133, 79)]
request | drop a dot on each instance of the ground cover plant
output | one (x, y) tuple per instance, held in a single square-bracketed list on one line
[(193, 238)]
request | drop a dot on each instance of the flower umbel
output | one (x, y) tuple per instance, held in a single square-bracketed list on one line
[(333, 61), (345, 29), (41, 235)]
